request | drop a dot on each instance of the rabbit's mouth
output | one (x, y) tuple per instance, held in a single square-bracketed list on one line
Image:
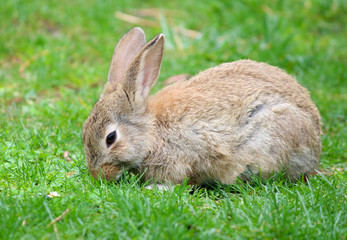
[(107, 172)]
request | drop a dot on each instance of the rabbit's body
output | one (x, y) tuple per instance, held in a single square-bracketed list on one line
[(229, 121)]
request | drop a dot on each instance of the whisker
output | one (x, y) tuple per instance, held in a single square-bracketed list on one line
[(154, 164)]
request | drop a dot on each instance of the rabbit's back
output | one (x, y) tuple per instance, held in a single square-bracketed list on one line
[(245, 116), (232, 87)]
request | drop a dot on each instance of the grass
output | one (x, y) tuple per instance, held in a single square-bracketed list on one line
[(54, 59)]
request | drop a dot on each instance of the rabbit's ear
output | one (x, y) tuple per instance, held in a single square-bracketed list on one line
[(143, 71), (127, 48)]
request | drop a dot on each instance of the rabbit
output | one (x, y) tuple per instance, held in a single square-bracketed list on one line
[(228, 122)]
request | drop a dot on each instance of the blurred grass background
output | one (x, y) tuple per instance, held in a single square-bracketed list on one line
[(54, 59)]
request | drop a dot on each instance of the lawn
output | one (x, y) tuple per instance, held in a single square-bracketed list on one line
[(54, 60)]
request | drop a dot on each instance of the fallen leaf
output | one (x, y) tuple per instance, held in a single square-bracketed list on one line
[(53, 194), (24, 223), (66, 156), (69, 174)]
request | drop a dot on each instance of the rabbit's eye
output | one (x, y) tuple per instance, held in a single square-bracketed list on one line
[(111, 138)]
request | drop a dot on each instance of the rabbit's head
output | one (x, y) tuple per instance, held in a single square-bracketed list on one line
[(118, 134)]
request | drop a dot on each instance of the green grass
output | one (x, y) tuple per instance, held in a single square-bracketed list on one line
[(54, 59)]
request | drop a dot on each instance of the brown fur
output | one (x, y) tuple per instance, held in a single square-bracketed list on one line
[(229, 121)]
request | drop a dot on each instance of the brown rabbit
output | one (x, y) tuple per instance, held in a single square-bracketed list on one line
[(230, 121)]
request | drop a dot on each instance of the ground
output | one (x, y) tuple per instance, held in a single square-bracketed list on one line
[(54, 59)]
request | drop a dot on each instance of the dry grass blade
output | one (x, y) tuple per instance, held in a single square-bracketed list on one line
[(188, 32), (56, 231), (150, 23), (34, 57), (136, 20), (29, 61), (154, 12), (59, 218), (149, 12), (176, 78)]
